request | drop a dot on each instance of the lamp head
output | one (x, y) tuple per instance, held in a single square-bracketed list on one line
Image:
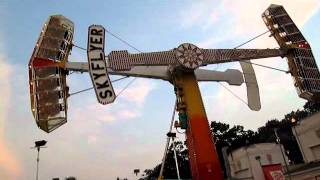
[(40, 143)]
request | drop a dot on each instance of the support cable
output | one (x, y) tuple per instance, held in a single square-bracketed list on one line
[(238, 97), (254, 38), (128, 44), (126, 87), (281, 70), (123, 41), (79, 47), (251, 39), (235, 95), (87, 89)]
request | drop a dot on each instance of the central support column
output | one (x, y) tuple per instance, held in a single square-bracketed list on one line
[(204, 161)]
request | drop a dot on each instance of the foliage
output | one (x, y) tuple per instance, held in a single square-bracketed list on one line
[(235, 137), (170, 171)]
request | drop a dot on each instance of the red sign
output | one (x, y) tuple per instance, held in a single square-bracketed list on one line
[(273, 172)]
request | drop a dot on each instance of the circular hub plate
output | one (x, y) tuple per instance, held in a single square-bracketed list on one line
[(189, 56)]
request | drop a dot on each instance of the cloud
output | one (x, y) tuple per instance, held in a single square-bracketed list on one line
[(228, 19), (137, 92), (5, 71), (248, 15), (10, 167), (127, 106), (198, 9), (278, 95), (100, 135)]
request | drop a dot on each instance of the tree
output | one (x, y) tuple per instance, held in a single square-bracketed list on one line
[(170, 171), (236, 137), (311, 107), (287, 139)]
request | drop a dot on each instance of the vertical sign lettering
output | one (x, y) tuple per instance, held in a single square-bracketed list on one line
[(97, 65)]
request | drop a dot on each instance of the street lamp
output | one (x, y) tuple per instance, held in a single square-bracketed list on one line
[(38, 145), (173, 135), (295, 122), (136, 171)]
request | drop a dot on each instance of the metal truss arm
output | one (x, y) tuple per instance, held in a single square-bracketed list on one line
[(123, 61), (215, 56)]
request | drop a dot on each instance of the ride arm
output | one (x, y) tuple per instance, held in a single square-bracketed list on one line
[(215, 56), (124, 61)]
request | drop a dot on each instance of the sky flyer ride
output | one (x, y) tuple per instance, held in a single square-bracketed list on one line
[(49, 68)]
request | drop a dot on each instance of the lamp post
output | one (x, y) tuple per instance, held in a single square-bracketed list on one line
[(282, 153), (249, 163), (173, 135), (38, 145), (136, 171), (294, 123)]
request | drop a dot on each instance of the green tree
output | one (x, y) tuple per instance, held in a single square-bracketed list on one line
[(170, 171), (233, 137), (236, 137)]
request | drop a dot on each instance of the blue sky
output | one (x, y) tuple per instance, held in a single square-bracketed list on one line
[(103, 142)]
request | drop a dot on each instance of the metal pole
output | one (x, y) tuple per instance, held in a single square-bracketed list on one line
[(226, 162), (38, 149), (175, 158), (249, 163), (282, 153), (168, 142), (299, 143)]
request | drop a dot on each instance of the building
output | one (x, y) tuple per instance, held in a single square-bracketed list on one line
[(307, 133), (256, 160)]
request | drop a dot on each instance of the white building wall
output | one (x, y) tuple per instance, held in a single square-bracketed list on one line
[(308, 134), (243, 161)]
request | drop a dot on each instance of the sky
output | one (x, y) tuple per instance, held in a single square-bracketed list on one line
[(105, 142)]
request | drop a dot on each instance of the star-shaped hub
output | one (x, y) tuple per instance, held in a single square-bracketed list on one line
[(189, 56)]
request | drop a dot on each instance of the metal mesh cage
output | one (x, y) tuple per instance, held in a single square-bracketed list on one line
[(301, 62), (48, 88)]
